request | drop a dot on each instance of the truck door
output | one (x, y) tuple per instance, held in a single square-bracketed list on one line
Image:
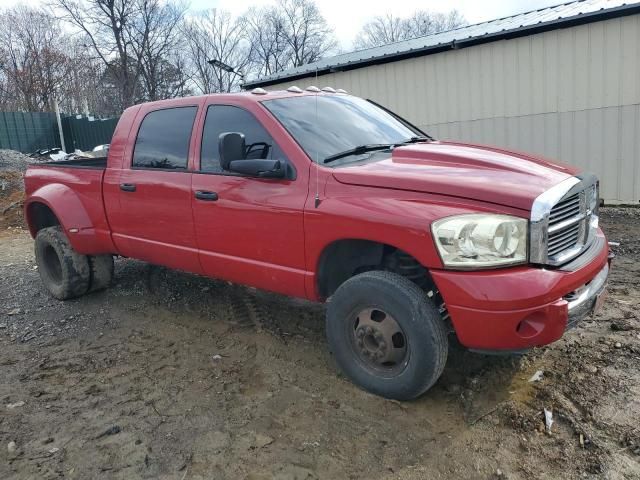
[(152, 220), (249, 230)]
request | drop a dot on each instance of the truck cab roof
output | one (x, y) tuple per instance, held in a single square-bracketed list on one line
[(256, 95)]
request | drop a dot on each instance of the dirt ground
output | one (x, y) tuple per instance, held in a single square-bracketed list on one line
[(172, 376)]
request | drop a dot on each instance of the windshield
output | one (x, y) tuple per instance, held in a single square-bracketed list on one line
[(341, 123)]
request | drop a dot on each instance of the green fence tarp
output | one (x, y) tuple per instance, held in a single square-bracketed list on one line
[(84, 134), (27, 132)]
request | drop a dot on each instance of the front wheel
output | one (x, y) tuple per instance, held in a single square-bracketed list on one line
[(386, 335)]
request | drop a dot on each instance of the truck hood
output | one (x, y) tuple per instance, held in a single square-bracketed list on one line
[(468, 171)]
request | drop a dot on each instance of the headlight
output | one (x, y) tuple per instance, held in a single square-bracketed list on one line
[(481, 240)]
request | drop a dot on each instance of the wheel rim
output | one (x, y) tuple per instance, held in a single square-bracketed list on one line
[(52, 263), (378, 341)]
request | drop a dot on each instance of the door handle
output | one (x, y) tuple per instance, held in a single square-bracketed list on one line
[(128, 187), (210, 196)]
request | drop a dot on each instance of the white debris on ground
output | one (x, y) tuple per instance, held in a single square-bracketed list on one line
[(536, 377), (61, 155), (548, 419)]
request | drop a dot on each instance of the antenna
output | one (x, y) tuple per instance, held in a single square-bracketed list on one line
[(317, 199)]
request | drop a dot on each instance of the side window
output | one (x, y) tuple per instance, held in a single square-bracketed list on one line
[(163, 138), (225, 118)]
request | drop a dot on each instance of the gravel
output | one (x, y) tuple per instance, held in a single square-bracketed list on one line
[(12, 160), (168, 372)]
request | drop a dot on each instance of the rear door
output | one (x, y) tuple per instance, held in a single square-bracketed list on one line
[(249, 230), (153, 219)]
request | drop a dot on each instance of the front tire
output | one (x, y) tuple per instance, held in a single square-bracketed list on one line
[(386, 335), (64, 272)]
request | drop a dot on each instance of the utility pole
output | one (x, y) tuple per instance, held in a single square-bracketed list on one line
[(57, 108)]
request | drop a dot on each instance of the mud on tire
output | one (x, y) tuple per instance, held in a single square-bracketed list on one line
[(386, 335), (64, 272), (101, 267)]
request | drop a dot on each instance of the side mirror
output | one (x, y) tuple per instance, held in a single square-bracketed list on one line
[(259, 168), (230, 147)]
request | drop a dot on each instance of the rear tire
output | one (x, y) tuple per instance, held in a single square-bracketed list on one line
[(64, 272), (101, 272), (386, 335)]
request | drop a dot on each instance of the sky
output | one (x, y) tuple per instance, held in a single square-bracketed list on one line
[(347, 17)]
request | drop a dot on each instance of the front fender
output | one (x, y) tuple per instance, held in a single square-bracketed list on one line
[(398, 218)]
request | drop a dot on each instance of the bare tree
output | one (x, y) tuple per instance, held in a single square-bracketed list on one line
[(423, 22), (154, 35), (214, 34), (82, 90), (290, 34), (120, 52), (134, 40), (268, 37), (33, 60), (307, 33), (390, 29), (106, 25), (380, 31), (39, 61), (5, 91)]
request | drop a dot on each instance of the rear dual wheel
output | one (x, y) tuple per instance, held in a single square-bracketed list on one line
[(386, 335), (66, 273)]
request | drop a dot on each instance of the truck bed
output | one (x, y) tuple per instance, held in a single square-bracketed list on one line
[(80, 162), (75, 186)]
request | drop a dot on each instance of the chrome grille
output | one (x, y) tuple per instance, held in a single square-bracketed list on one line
[(565, 209), (563, 240), (563, 221), (565, 230)]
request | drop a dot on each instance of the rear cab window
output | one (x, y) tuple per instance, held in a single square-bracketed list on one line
[(163, 139)]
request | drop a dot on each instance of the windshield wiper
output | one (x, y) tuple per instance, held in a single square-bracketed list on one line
[(360, 149), (416, 139)]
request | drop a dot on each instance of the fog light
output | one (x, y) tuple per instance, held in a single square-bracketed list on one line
[(532, 325)]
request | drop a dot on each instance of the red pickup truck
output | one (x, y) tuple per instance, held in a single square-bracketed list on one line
[(330, 197)]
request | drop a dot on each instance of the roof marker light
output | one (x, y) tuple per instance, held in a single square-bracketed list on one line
[(341, 90), (329, 90), (259, 91), (312, 89), (294, 89)]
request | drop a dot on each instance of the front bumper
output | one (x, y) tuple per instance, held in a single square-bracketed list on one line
[(582, 302), (523, 307)]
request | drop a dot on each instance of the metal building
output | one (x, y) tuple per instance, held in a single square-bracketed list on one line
[(562, 82)]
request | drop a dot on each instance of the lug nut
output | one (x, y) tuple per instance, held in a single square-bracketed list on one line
[(360, 333), (368, 330)]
